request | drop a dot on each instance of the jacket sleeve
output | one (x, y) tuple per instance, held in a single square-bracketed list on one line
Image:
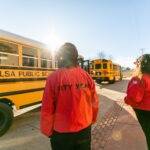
[(95, 104), (135, 91), (47, 110)]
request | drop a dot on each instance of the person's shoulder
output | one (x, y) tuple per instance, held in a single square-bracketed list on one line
[(80, 69), (146, 78), (55, 73), (134, 80), (85, 73)]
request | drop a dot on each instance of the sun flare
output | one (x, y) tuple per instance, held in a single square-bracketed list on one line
[(54, 41)]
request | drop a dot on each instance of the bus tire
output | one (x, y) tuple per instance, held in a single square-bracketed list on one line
[(121, 78), (112, 81), (6, 117), (98, 81)]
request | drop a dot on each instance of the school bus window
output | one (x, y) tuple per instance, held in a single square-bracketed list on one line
[(45, 54), (9, 54), (104, 66), (46, 59), (43, 63), (115, 67), (85, 66), (56, 64), (110, 66), (80, 64), (97, 66), (8, 47), (46, 63), (91, 66), (49, 64), (29, 56)]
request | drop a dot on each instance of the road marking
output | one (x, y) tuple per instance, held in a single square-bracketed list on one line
[(24, 110), (111, 94)]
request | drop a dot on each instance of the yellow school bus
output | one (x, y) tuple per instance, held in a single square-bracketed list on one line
[(24, 67), (105, 70)]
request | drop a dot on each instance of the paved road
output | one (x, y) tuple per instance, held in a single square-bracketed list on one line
[(24, 134)]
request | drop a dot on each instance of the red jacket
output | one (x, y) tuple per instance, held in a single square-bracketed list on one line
[(138, 93), (70, 102)]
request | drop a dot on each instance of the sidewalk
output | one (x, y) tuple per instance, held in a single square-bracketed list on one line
[(118, 130)]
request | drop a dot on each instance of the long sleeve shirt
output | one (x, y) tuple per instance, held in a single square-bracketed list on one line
[(138, 93), (70, 102)]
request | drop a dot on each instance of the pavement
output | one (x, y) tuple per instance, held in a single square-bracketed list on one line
[(118, 130)]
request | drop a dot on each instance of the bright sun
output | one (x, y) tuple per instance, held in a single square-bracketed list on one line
[(54, 41)]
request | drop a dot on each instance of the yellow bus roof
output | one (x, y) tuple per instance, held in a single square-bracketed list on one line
[(107, 60), (17, 38), (102, 60)]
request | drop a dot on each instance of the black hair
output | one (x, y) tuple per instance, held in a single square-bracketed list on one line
[(67, 55), (145, 63)]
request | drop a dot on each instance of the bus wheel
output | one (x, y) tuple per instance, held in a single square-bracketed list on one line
[(120, 78), (6, 117), (98, 81), (112, 81)]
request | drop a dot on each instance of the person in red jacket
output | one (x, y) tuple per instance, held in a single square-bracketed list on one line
[(138, 94), (70, 103)]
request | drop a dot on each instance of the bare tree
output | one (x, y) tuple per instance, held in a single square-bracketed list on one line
[(101, 55), (110, 57)]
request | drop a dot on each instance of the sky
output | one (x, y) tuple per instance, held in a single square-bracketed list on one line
[(118, 28)]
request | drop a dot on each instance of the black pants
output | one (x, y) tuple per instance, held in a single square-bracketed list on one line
[(72, 141), (144, 120)]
